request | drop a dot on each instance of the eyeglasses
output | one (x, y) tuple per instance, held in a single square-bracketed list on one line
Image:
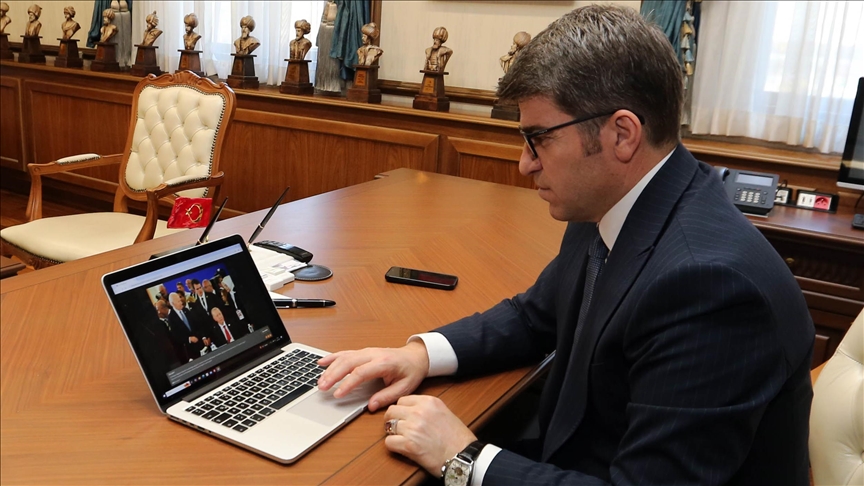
[(529, 136)]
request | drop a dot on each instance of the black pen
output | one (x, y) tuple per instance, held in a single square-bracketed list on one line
[(294, 303), (263, 222)]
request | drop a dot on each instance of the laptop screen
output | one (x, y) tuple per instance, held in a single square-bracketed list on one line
[(195, 316)]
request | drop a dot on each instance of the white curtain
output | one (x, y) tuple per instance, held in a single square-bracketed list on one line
[(219, 26), (780, 71)]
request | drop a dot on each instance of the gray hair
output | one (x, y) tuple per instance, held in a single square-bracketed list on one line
[(598, 59)]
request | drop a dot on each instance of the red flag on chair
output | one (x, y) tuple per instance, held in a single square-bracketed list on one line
[(190, 212)]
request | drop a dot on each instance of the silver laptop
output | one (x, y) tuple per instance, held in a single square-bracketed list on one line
[(223, 362)]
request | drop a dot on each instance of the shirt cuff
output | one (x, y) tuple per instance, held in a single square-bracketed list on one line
[(482, 463), (442, 357)]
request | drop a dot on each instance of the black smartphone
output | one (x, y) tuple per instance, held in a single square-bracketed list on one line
[(421, 278)]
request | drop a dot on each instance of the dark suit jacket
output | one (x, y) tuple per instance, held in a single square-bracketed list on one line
[(236, 329), (180, 334), (693, 367), (197, 307)]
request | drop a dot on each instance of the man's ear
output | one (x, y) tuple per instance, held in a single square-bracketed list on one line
[(628, 134)]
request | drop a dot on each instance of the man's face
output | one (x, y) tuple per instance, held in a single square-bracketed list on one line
[(162, 311), (244, 32), (180, 288), (31, 16), (188, 28), (208, 287), (199, 289), (576, 186), (299, 32), (217, 315), (436, 43), (176, 302)]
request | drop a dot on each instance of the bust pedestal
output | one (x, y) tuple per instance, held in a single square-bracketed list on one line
[(243, 72), (505, 111), (68, 56), (145, 61), (31, 50), (431, 96), (365, 89), (106, 58), (190, 60), (5, 50), (297, 78)]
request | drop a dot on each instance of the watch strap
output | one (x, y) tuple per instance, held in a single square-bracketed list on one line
[(469, 453), (473, 450)]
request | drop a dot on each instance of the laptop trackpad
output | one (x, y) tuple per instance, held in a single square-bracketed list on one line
[(322, 408)]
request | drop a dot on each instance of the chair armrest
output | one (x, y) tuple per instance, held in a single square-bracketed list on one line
[(74, 162), (172, 186), (34, 204)]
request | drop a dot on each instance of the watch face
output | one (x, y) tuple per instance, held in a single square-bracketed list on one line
[(458, 473)]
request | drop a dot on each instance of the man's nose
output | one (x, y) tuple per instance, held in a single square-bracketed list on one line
[(527, 163)]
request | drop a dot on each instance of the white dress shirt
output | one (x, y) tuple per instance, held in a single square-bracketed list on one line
[(442, 357)]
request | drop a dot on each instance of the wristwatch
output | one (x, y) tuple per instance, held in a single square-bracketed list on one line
[(459, 470)]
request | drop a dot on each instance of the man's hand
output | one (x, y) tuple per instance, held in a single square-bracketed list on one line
[(207, 341), (193, 339), (401, 368), (427, 432)]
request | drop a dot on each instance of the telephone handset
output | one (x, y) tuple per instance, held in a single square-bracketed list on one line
[(751, 192)]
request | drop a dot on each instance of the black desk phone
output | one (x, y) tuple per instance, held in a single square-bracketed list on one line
[(751, 192)]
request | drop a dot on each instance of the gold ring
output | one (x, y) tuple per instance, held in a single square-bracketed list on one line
[(390, 426)]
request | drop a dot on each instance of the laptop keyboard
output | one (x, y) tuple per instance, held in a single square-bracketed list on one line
[(250, 400)]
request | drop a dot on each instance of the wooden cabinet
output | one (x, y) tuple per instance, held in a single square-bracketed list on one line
[(827, 258)]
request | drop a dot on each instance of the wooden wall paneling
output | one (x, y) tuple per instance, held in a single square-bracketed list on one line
[(485, 161), (267, 151), (12, 144), (70, 120)]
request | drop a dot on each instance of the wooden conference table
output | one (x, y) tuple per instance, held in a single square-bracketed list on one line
[(75, 407)]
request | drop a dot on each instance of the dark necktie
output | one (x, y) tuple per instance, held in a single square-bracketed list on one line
[(596, 257), (565, 407)]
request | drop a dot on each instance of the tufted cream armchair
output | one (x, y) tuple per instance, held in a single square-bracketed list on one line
[(175, 137), (837, 416)]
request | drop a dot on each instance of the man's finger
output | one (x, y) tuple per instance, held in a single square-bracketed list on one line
[(389, 395), (359, 375), (339, 368)]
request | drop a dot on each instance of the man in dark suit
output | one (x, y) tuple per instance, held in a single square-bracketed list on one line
[(159, 343), (682, 342), (204, 301), (188, 333), (225, 331)]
